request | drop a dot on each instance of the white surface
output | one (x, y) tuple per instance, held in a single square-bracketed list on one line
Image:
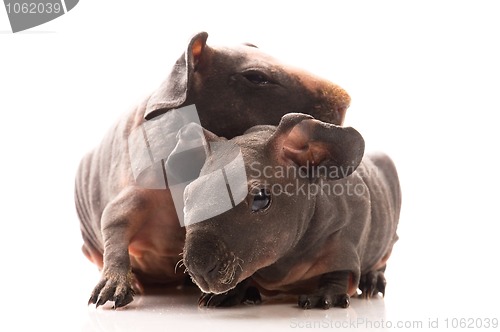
[(424, 78)]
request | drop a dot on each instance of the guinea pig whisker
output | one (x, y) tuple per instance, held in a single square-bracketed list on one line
[(228, 272), (180, 263), (238, 264)]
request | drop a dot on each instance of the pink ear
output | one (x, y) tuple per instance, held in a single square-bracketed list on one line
[(196, 48), (299, 148), (331, 150)]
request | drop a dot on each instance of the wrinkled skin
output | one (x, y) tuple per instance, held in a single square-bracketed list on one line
[(132, 233), (322, 245)]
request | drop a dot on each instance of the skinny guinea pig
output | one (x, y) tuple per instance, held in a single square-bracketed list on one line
[(133, 233), (319, 219)]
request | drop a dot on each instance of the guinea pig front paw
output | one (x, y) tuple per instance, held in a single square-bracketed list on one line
[(113, 287), (239, 294), (325, 300), (372, 283)]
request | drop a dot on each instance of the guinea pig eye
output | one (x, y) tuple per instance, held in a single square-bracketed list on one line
[(261, 200), (257, 78)]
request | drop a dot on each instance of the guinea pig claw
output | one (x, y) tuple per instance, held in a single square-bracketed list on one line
[(342, 301), (326, 304), (304, 302), (381, 283), (372, 283), (122, 300), (113, 287), (100, 302), (92, 300)]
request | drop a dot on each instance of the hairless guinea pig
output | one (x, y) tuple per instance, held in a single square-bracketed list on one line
[(311, 217), (132, 232)]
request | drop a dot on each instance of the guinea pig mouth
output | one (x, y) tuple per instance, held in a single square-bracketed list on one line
[(220, 276)]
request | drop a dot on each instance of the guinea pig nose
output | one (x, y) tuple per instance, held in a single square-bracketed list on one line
[(212, 268), (201, 255), (205, 266)]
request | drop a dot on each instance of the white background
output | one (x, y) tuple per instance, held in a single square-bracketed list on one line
[(424, 77)]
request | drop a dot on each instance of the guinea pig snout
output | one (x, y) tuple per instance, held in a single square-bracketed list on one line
[(211, 266), (201, 263)]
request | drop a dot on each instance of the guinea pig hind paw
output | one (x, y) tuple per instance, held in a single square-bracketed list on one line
[(324, 301), (372, 283)]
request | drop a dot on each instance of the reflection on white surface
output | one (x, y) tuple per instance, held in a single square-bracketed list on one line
[(175, 310)]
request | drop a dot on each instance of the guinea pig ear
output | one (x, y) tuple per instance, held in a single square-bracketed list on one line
[(319, 148), (173, 92)]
